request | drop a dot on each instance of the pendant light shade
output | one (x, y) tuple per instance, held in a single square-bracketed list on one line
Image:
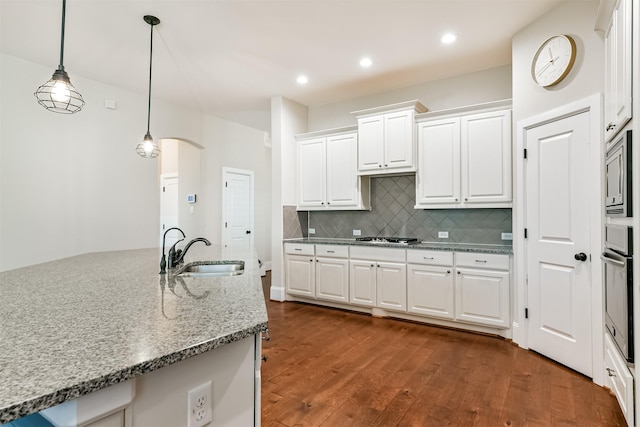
[(148, 148), (58, 94)]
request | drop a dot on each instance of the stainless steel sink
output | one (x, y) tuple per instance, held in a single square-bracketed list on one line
[(212, 269)]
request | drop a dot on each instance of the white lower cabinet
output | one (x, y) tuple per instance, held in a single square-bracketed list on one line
[(482, 289), (430, 284), (618, 378), (332, 273), (300, 269), (378, 277), (459, 287)]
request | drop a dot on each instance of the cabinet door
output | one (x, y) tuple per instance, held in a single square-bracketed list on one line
[(399, 140), (482, 296), (311, 173), (370, 143), (486, 157), (617, 92), (391, 285), (438, 179), (362, 283), (332, 279), (301, 275), (113, 420), (618, 378), (342, 167), (430, 290)]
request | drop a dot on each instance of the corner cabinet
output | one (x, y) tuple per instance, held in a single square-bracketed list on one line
[(464, 160), (387, 142), (618, 68), (482, 289), (327, 172)]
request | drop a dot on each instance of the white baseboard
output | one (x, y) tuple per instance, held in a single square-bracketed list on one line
[(277, 293)]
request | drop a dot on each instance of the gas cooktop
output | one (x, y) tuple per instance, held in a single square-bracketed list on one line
[(393, 240)]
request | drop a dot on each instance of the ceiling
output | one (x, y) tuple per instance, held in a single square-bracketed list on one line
[(229, 57)]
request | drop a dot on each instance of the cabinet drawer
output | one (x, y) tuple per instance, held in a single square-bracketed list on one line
[(417, 256), (298, 249), (378, 254), (479, 260), (336, 251), (618, 378)]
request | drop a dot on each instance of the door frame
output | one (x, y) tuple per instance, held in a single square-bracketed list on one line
[(593, 105), (163, 178), (224, 204)]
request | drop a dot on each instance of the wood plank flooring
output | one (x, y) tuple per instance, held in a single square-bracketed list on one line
[(330, 367)]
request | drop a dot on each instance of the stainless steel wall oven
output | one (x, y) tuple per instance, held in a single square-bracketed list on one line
[(617, 171), (618, 286)]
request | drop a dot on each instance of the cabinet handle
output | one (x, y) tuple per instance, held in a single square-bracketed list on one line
[(458, 272), (456, 200), (481, 260), (379, 166), (311, 260), (372, 265), (378, 265), (331, 252), (448, 271), (385, 165), (611, 126), (297, 249), (316, 260), (427, 257), (611, 372), (328, 203), (466, 200)]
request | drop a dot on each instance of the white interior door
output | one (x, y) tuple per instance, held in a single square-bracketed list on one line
[(558, 228), (169, 208), (237, 208)]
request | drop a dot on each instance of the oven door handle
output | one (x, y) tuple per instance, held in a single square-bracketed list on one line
[(605, 258)]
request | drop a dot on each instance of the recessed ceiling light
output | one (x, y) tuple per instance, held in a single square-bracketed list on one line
[(366, 62), (302, 79), (448, 38)]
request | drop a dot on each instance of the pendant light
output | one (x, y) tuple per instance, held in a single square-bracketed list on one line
[(148, 148), (58, 94)]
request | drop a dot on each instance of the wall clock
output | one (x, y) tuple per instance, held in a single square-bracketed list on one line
[(553, 60)]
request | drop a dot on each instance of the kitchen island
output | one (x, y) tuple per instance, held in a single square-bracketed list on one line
[(81, 325)]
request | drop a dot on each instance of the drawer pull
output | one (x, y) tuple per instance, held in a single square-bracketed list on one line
[(427, 258), (481, 260), (611, 372), (297, 249), (331, 252)]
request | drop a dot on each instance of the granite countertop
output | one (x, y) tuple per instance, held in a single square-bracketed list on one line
[(451, 247), (77, 325)]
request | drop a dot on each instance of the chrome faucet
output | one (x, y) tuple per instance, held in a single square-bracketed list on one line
[(163, 260), (181, 253)]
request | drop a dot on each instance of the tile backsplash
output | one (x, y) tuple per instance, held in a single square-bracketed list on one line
[(393, 214), (295, 224)]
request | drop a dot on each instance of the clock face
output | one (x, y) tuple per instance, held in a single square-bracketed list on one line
[(553, 60)]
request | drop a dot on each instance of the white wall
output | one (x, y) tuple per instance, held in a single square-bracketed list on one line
[(71, 184), (576, 19), (287, 120), (190, 215), (468, 89), (228, 144)]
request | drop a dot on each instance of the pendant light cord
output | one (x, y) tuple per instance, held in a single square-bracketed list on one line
[(150, 67), (64, 12)]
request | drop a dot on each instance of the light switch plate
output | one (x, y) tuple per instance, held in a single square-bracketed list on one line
[(357, 232), (506, 236), (443, 234), (312, 231)]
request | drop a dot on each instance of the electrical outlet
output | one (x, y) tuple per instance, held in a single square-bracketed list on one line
[(357, 232), (443, 234), (199, 406), (312, 231), (506, 236)]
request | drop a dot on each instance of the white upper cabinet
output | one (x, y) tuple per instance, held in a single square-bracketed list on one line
[(486, 157), (464, 160), (387, 138), (617, 91), (327, 172)]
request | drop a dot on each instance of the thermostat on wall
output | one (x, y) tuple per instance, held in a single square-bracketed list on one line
[(191, 198)]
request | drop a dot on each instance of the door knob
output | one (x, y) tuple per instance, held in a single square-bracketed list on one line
[(248, 231), (580, 257)]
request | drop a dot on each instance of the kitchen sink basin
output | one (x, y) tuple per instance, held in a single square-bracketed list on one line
[(212, 269)]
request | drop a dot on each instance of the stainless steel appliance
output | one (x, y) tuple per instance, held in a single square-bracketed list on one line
[(617, 171), (618, 286), (393, 240)]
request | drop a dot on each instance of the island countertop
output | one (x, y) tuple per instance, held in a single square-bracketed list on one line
[(77, 325)]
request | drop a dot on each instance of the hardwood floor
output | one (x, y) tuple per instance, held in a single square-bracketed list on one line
[(330, 367)]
